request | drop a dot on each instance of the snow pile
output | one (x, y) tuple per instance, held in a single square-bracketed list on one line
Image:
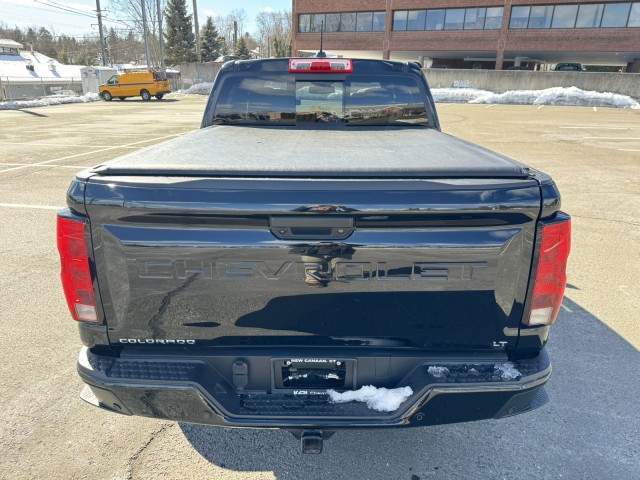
[(507, 371), (571, 96), (380, 399), (51, 100), (197, 89), (438, 372)]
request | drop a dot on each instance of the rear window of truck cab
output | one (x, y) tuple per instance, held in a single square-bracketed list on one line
[(291, 100)]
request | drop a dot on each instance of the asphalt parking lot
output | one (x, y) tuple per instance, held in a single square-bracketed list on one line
[(590, 429)]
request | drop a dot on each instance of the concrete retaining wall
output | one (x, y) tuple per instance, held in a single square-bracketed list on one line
[(502, 81)]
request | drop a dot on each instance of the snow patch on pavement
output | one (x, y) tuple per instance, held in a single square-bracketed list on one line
[(568, 96), (507, 371), (47, 101), (380, 399)]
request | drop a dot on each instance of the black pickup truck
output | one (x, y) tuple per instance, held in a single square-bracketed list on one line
[(318, 256)]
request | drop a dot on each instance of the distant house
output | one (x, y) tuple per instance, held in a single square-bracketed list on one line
[(26, 74)]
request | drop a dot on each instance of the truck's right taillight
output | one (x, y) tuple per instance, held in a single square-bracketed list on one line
[(551, 277), (75, 272)]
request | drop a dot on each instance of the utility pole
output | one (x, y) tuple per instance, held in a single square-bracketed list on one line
[(235, 34), (195, 24), (144, 32), (160, 36), (103, 56)]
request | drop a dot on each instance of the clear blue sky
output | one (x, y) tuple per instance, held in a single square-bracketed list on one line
[(25, 13)]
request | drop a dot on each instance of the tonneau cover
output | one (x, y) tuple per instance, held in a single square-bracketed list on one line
[(353, 152)]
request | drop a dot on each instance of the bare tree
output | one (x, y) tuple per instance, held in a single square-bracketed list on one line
[(130, 13), (273, 33)]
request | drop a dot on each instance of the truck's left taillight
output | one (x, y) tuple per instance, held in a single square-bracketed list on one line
[(75, 271), (551, 277)]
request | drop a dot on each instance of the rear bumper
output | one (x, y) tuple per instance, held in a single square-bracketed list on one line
[(192, 390)]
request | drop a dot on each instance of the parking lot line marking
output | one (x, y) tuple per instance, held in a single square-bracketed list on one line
[(541, 106), (489, 106), (629, 149), (93, 151), (602, 127), (41, 166), (24, 205), (108, 134), (32, 144), (612, 138)]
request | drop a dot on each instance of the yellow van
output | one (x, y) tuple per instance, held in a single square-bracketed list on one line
[(134, 83)]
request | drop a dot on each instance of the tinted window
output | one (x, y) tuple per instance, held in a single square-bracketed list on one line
[(415, 19), (540, 17), (615, 15), (383, 100), (519, 17), (319, 102), (347, 22), (332, 22), (379, 21), (454, 19), (435, 19), (634, 16), (589, 16), (317, 20), (365, 20), (564, 16), (256, 100), (400, 20), (493, 20), (304, 23), (474, 18), (361, 100)]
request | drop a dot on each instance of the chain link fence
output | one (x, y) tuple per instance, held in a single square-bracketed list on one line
[(193, 74), (12, 89)]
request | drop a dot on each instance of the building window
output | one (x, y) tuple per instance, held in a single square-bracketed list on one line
[(400, 20), (615, 15), (589, 16), (564, 16), (379, 21), (304, 23), (454, 19), (435, 20), (519, 17), (364, 22), (474, 18), (494, 18), (634, 16), (416, 19), (332, 22), (540, 17), (342, 22), (347, 22), (317, 20)]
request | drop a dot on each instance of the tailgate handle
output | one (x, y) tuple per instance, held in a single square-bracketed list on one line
[(311, 227)]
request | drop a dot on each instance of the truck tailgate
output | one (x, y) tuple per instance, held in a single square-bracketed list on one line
[(428, 263)]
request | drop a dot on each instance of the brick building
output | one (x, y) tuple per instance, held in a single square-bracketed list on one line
[(473, 33)]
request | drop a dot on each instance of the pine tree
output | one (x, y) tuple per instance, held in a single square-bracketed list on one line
[(242, 50), (180, 40), (211, 43)]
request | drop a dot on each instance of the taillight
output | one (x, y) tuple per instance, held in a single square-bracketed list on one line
[(75, 273), (551, 276), (324, 65)]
